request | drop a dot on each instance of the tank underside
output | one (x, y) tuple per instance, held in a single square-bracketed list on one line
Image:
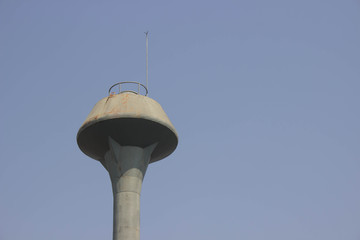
[(93, 139)]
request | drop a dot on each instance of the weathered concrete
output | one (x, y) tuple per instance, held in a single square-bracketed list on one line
[(126, 132), (127, 166)]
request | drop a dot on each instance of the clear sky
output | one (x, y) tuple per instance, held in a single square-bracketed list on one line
[(264, 96)]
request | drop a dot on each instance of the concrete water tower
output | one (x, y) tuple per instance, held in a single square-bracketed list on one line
[(126, 131)]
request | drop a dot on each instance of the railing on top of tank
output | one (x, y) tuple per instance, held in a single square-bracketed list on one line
[(120, 90)]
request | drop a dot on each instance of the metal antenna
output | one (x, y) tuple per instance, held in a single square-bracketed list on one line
[(147, 58)]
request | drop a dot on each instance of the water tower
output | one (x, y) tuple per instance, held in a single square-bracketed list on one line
[(125, 131)]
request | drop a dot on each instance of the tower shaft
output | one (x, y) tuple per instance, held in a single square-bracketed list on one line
[(127, 167)]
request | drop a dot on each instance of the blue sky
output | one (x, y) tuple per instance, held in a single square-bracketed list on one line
[(264, 96)]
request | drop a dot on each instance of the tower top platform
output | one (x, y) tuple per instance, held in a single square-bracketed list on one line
[(130, 119)]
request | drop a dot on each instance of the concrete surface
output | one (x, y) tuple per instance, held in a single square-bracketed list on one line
[(127, 167)]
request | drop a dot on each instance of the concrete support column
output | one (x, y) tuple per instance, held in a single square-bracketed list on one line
[(127, 166)]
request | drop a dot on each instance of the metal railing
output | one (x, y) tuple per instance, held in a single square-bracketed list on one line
[(121, 91)]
